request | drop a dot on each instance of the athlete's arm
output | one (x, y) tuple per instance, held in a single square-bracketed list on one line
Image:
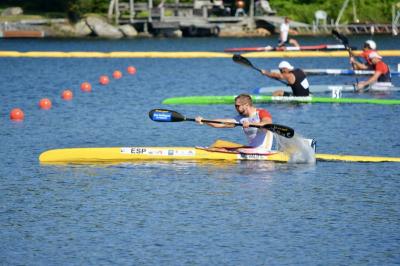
[(229, 122), (272, 74)]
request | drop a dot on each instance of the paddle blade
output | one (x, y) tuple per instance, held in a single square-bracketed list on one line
[(237, 58), (284, 131), (341, 37), (164, 115)]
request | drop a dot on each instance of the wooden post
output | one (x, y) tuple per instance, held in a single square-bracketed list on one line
[(150, 7), (176, 10), (110, 9), (131, 11), (251, 9), (116, 12)]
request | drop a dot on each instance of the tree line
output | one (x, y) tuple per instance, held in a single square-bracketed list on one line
[(367, 11)]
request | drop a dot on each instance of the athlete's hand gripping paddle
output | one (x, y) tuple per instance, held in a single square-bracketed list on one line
[(164, 115)]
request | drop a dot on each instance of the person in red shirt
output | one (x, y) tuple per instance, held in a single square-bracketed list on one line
[(369, 47), (381, 71), (259, 140)]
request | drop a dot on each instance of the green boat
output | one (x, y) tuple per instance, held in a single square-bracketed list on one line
[(203, 100)]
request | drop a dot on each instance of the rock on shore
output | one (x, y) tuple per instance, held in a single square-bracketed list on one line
[(88, 26), (95, 25), (102, 29)]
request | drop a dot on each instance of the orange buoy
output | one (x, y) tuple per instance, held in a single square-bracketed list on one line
[(117, 74), (45, 104), (131, 70), (104, 80), (67, 95), (17, 114), (86, 87)]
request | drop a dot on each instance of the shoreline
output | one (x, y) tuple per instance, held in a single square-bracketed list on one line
[(94, 26)]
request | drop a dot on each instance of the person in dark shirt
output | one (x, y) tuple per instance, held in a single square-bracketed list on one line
[(294, 77)]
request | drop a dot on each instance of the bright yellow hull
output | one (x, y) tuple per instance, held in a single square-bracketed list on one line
[(126, 154)]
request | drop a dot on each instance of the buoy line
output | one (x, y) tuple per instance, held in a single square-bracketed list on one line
[(199, 54)]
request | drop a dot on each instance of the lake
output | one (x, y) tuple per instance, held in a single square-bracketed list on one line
[(188, 213)]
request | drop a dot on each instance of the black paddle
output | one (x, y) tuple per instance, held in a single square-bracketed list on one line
[(345, 42), (343, 39), (163, 115), (237, 58)]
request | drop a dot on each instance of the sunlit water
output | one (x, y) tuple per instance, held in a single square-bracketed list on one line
[(188, 213)]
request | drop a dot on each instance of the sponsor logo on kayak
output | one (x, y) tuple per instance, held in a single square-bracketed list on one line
[(184, 152), (251, 156), (157, 151), (154, 152), (180, 153), (292, 98)]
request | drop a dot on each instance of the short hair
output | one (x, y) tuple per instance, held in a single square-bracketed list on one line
[(245, 98)]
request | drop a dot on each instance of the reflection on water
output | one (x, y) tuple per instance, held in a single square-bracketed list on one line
[(177, 164)]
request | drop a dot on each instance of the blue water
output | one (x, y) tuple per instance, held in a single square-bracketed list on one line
[(188, 213)]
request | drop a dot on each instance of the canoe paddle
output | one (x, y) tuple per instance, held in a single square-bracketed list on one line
[(343, 39), (345, 42), (164, 115), (237, 58)]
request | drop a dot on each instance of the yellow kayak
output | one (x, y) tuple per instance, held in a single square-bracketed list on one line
[(126, 154)]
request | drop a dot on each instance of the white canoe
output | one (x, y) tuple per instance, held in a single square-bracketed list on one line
[(377, 87), (319, 47), (338, 71)]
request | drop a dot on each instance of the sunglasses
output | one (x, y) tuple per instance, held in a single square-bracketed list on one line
[(238, 105)]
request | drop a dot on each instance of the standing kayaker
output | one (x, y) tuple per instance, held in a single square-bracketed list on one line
[(259, 140), (294, 77), (284, 34), (381, 71)]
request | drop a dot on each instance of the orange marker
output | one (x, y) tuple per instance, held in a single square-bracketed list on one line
[(117, 74), (67, 95), (104, 80), (45, 104), (131, 70), (17, 114), (86, 87)]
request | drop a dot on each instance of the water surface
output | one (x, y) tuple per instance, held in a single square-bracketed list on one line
[(188, 213)]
